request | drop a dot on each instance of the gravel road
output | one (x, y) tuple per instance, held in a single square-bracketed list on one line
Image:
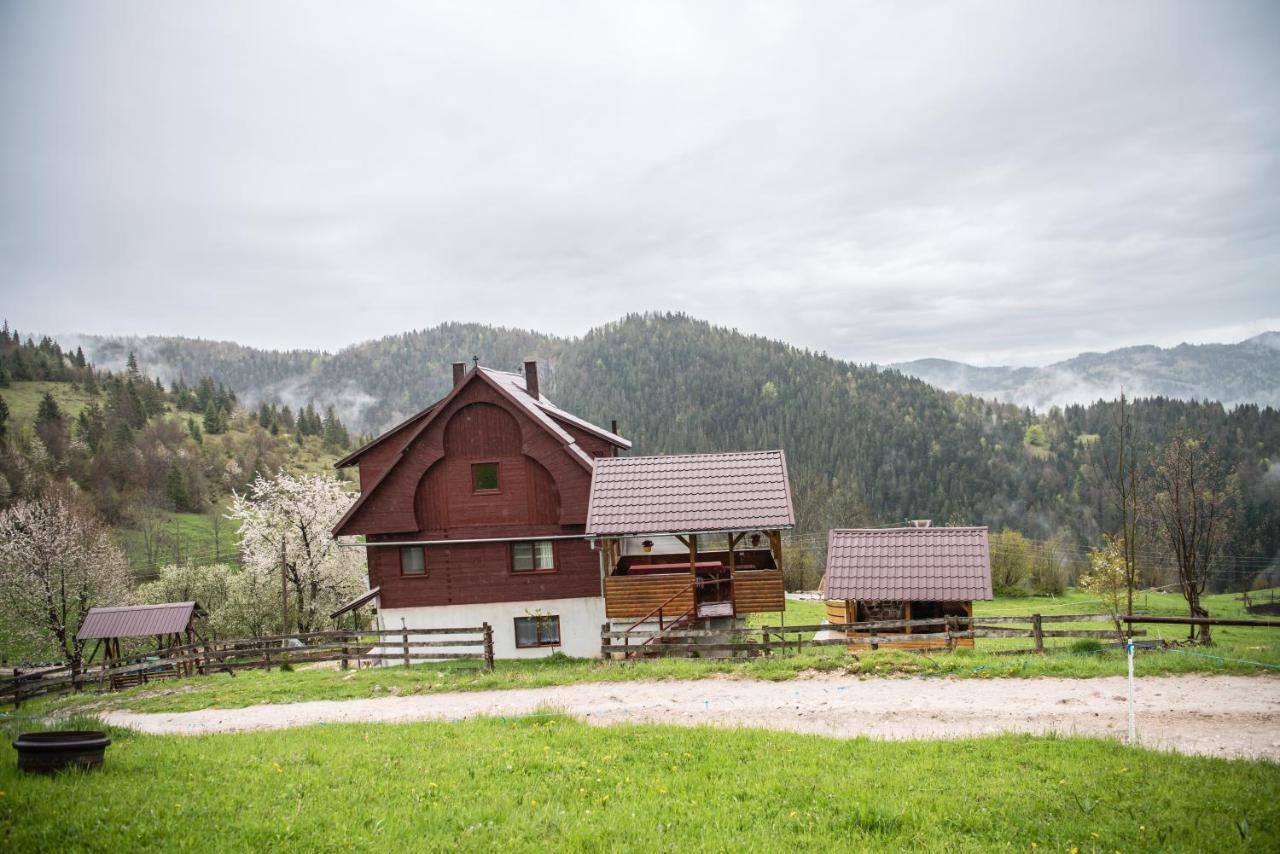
[(1230, 716)]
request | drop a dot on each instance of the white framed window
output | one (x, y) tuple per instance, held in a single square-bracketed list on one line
[(538, 631), (413, 560), (533, 556)]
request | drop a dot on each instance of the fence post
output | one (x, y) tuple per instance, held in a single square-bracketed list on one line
[(405, 640), (1037, 632), (488, 647), (605, 642), (764, 639), (1133, 724), (345, 651), (948, 628), (17, 688)]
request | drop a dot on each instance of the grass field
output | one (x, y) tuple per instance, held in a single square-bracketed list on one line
[(274, 686), (545, 782), (24, 399)]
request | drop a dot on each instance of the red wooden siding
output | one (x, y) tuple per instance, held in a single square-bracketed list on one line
[(469, 573), (428, 494)]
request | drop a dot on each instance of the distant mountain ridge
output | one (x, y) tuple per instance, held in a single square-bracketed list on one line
[(865, 445), (1232, 374)]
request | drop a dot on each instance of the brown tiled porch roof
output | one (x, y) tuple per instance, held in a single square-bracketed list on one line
[(689, 493), (914, 564)]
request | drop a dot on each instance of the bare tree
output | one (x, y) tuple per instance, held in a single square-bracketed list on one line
[(217, 522), (56, 562), (1192, 507), (1122, 476)]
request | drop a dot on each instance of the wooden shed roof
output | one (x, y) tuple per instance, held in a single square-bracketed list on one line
[(908, 564), (138, 620)]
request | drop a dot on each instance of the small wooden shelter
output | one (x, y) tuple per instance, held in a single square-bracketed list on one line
[(171, 623), (914, 573)]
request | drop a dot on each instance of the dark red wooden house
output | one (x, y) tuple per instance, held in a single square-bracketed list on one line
[(474, 510)]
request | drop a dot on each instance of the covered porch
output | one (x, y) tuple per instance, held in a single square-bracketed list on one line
[(690, 538), (712, 575)]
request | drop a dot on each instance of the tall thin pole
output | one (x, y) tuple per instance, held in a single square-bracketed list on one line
[(1133, 723)]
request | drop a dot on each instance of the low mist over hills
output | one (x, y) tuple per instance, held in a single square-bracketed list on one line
[(865, 445), (1248, 372)]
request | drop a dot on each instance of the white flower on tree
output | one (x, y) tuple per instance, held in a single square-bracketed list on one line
[(56, 562), (289, 519)]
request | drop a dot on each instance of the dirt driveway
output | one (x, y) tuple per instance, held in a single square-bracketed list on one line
[(1229, 716)]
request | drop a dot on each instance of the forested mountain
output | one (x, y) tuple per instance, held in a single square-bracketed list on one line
[(130, 444), (864, 445), (1248, 372)]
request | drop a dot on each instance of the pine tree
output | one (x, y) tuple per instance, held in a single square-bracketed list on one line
[(175, 488), (214, 420), (194, 430), (132, 366), (48, 412)]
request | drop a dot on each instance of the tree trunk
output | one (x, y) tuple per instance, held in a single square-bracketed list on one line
[(1198, 610)]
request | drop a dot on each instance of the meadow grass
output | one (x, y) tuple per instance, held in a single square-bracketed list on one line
[(546, 782), (24, 397)]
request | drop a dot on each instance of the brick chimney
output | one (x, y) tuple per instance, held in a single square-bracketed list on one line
[(459, 371), (531, 378)]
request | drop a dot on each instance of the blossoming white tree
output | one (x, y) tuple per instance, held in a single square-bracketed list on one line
[(287, 520), (56, 562)]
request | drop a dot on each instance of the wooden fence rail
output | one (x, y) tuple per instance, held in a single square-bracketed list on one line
[(762, 640), (357, 645)]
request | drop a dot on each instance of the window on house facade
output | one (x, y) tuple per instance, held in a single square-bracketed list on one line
[(537, 631), (533, 555), (484, 477), (413, 560)]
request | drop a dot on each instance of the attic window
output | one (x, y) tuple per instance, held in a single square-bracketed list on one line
[(484, 477)]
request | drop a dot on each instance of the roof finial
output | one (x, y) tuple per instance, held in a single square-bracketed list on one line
[(475, 361)]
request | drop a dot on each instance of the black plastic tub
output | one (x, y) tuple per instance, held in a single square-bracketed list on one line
[(47, 752)]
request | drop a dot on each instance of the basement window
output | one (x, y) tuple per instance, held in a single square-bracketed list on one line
[(484, 477), (533, 556), (537, 631), (413, 560)]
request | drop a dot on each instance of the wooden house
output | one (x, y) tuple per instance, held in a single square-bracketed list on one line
[(474, 510), (690, 538), (914, 573)]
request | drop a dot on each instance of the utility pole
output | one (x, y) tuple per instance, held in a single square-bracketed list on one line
[(284, 591)]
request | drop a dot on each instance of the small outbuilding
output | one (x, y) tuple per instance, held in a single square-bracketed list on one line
[(171, 623), (914, 573)]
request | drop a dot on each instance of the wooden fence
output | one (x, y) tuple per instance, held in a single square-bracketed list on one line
[(763, 640), (349, 648)]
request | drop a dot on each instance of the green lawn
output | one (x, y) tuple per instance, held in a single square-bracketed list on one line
[(547, 783)]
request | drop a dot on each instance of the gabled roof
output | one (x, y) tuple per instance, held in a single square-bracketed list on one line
[(898, 564), (138, 620), (508, 385), (512, 385), (690, 493)]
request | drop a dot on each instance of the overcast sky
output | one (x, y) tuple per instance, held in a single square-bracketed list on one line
[(994, 182)]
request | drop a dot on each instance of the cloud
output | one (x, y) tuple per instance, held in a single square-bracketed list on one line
[(977, 181)]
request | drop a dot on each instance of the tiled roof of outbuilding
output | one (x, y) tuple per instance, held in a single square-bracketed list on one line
[(896, 564), (138, 620), (688, 493)]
